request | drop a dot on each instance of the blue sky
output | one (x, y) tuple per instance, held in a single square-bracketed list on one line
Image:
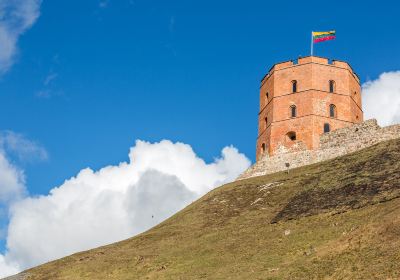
[(91, 77)]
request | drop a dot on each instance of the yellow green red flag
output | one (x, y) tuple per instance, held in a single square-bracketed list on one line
[(323, 36)]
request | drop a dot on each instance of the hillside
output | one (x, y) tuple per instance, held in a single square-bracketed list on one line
[(339, 219)]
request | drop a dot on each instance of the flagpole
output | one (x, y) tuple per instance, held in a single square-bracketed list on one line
[(312, 44)]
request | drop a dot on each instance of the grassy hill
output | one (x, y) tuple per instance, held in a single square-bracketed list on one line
[(339, 219)]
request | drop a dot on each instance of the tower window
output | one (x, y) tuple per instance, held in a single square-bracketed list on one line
[(266, 122), (267, 94), (263, 147), (331, 86), (294, 86), (293, 111), (291, 136), (332, 111), (327, 128)]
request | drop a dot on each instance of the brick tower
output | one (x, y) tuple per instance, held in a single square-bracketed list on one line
[(300, 100)]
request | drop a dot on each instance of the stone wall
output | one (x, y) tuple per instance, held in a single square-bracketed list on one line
[(333, 144)]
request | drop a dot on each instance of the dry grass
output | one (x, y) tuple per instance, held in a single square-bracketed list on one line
[(341, 218)]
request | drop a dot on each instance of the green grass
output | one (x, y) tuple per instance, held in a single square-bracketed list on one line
[(343, 216)]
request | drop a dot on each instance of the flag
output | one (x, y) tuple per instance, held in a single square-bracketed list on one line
[(323, 36)]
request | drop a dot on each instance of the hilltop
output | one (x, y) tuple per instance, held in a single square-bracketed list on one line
[(338, 219)]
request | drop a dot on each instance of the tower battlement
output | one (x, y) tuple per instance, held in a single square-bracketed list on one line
[(306, 60), (303, 99)]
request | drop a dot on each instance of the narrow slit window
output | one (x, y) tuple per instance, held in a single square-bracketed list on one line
[(293, 111), (327, 128), (331, 86), (294, 86), (332, 111)]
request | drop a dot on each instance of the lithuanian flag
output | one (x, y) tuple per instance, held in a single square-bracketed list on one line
[(323, 36)]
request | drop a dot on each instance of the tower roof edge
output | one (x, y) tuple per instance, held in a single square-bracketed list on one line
[(306, 60)]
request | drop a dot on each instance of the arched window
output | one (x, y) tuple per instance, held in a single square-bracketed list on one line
[(267, 95), (291, 136), (266, 122), (332, 111), (263, 147), (327, 128), (293, 111), (294, 86), (331, 86)]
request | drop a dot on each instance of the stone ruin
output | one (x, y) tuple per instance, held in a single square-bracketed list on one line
[(333, 144)]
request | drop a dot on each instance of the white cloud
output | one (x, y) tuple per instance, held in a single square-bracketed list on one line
[(7, 268), (12, 178), (12, 182), (381, 98), (16, 16), (116, 202), (12, 188), (155, 197), (23, 148)]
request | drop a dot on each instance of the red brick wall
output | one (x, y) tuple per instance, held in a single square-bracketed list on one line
[(312, 101)]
